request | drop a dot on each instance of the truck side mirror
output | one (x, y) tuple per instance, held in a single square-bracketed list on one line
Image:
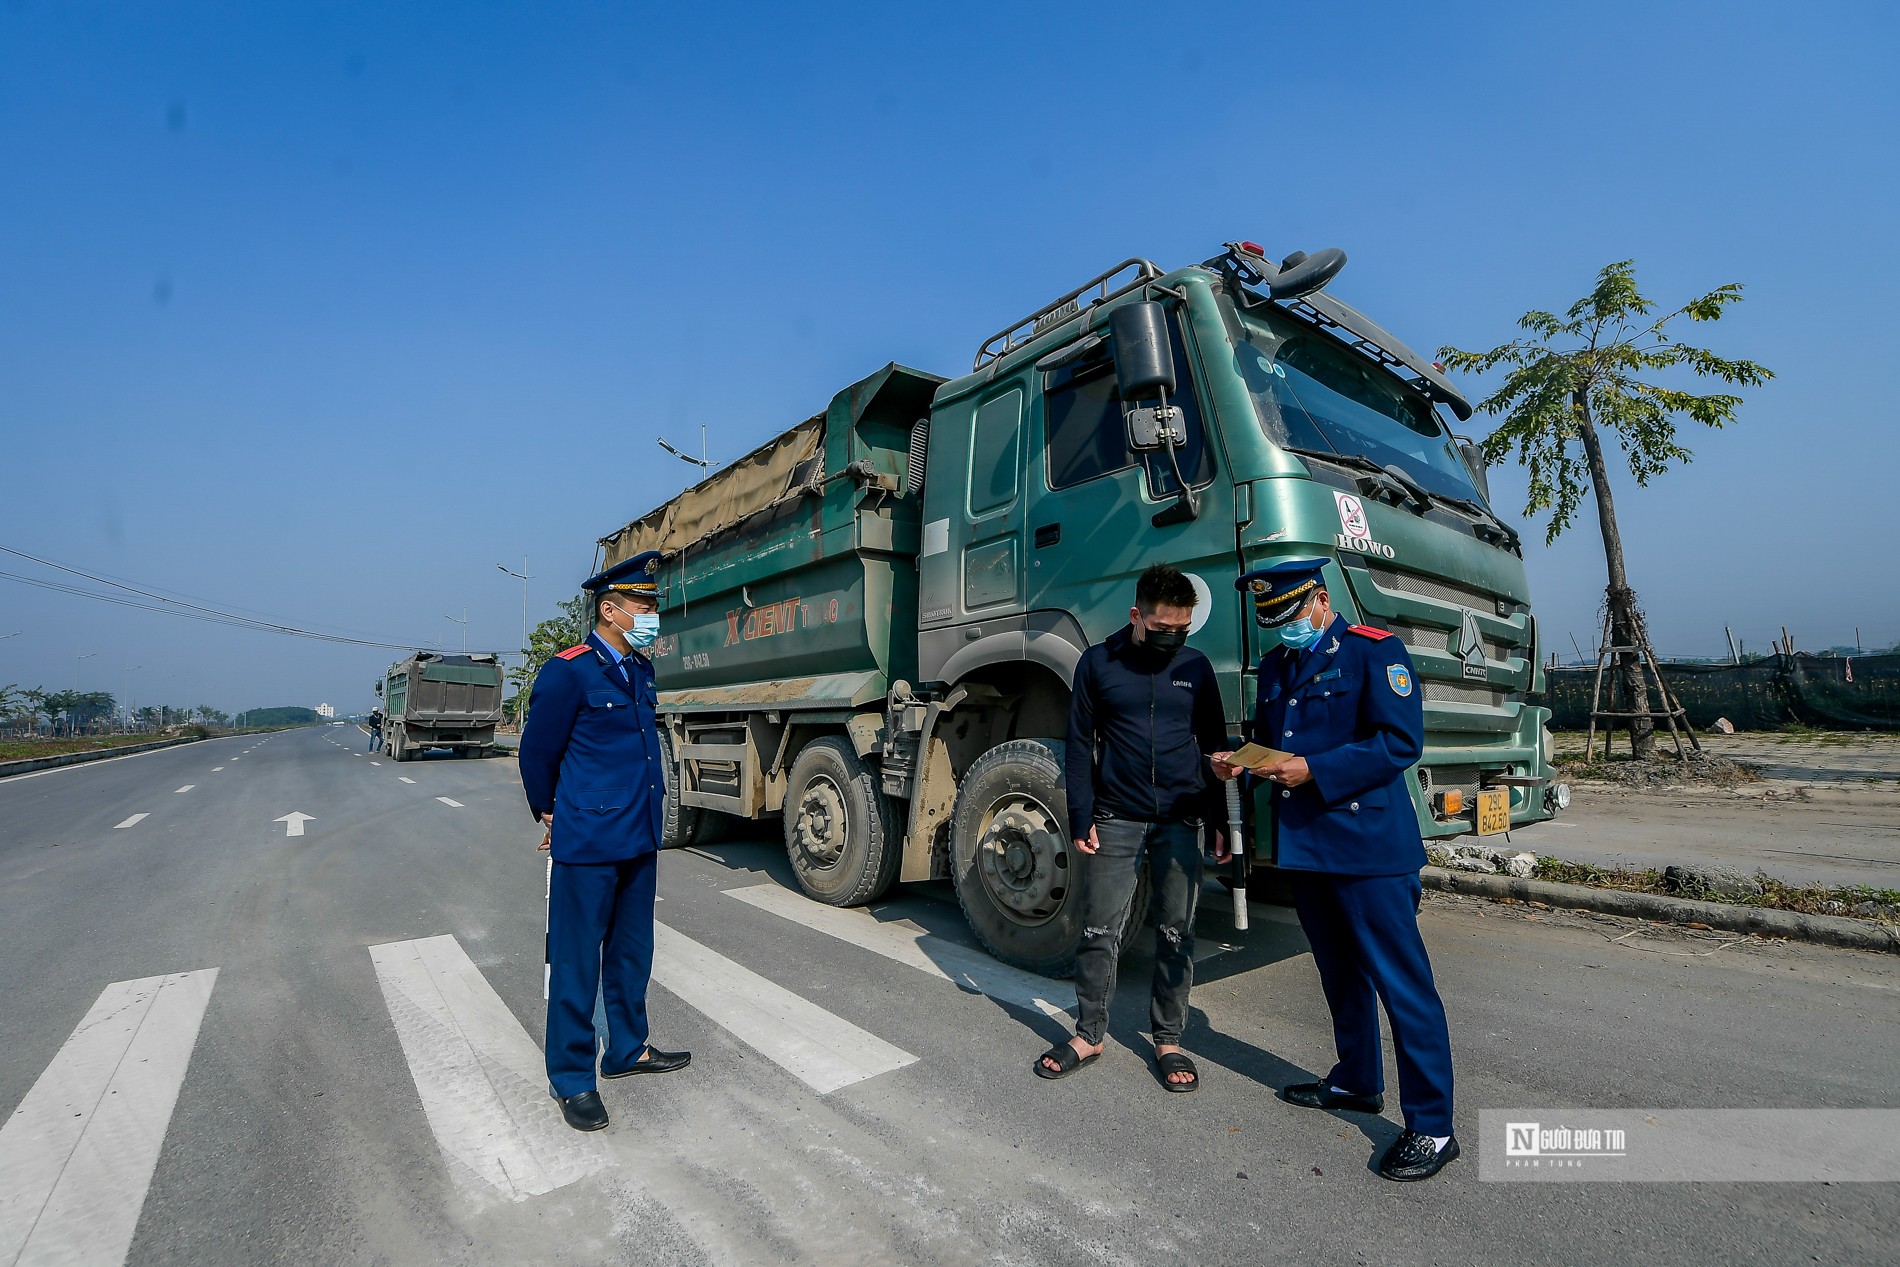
[(1144, 359), (1474, 461)]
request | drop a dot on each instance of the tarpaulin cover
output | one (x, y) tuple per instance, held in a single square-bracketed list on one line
[(751, 484), (1840, 692)]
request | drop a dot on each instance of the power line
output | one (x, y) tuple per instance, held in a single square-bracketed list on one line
[(177, 607)]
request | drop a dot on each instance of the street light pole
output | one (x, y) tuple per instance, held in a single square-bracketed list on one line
[(524, 576), (72, 720), (463, 622)]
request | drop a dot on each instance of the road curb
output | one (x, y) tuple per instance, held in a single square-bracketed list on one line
[(28, 765), (1828, 930)]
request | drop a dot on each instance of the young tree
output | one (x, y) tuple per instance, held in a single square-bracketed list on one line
[(1573, 377), (34, 701)]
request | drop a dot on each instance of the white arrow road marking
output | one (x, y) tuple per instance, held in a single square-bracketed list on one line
[(77, 1156), (481, 1079), (405, 778), (823, 1051), (132, 821), (455, 804), (293, 822), (908, 944), (185, 788)]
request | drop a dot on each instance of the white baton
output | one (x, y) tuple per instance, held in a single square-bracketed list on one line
[(1237, 842)]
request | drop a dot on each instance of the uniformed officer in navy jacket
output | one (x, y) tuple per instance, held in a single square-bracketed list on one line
[(590, 764), (1343, 700)]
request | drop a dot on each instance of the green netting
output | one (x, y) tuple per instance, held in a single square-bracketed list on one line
[(1837, 692)]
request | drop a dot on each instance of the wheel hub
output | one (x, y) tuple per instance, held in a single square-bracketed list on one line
[(1023, 859), (820, 826)]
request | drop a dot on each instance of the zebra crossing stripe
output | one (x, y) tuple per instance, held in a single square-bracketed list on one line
[(481, 1079), (823, 1051), (77, 1155), (905, 943)]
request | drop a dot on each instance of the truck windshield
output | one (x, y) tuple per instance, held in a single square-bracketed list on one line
[(1312, 394)]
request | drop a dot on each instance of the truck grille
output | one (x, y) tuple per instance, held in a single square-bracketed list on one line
[(1435, 638), (1398, 582), (1464, 693)]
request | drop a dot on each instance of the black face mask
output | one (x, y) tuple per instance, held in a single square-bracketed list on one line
[(1163, 643)]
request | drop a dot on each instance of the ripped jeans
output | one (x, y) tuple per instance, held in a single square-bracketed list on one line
[(1172, 854)]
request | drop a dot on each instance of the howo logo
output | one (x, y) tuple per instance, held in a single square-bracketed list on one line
[(1471, 645)]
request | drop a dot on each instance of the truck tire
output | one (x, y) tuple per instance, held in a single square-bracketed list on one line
[(679, 823), (1017, 874), (838, 826)]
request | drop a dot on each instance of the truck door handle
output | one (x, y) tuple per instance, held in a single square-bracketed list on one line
[(1048, 535)]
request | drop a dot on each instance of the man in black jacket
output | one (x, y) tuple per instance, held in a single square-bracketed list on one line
[(1144, 716)]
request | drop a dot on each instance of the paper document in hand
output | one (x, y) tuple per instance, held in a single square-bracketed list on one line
[(1251, 756)]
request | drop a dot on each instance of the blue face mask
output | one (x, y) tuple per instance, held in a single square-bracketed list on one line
[(646, 627), (641, 633), (1299, 635)]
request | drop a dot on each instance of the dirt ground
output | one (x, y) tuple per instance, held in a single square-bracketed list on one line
[(1826, 811)]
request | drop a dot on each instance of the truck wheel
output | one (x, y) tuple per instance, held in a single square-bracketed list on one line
[(1017, 874), (679, 822), (838, 826)]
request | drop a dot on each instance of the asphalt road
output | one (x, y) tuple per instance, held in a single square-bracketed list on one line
[(351, 1086)]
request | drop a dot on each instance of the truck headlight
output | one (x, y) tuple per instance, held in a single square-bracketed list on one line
[(1557, 796)]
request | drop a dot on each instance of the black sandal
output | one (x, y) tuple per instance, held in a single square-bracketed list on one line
[(1177, 1062), (1067, 1058)]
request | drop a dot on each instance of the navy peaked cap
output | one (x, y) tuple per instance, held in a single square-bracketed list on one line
[(629, 576), (1280, 591)]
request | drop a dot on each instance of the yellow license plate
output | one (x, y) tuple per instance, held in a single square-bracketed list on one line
[(1494, 811)]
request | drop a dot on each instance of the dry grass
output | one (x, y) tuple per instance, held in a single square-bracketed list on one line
[(1807, 899)]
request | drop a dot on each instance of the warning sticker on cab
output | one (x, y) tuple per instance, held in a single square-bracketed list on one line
[(1352, 516)]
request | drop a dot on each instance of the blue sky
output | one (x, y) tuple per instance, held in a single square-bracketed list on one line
[(324, 311)]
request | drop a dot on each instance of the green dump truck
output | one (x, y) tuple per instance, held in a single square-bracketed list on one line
[(432, 700), (869, 625)]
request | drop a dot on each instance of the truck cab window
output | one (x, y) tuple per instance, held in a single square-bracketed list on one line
[(1086, 437), (994, 446)]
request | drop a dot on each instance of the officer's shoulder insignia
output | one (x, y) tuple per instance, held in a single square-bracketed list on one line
[(1400, 677), (573, 653), (1367, 631)]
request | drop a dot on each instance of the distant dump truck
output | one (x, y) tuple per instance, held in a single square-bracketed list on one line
[(870, 624), (433, 700)]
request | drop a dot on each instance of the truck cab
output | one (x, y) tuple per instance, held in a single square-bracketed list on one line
[(871, 624)]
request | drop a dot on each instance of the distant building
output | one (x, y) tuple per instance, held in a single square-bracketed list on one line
[(325, 710)]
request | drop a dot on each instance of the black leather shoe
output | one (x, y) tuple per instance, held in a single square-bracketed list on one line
[(1416, 1157), (1318, 1095), (584, 1112), (655, 1061)]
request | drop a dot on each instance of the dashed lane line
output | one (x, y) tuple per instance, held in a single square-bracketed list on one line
[(405, 778), (451, 802), (186, 788), (131, 822)]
